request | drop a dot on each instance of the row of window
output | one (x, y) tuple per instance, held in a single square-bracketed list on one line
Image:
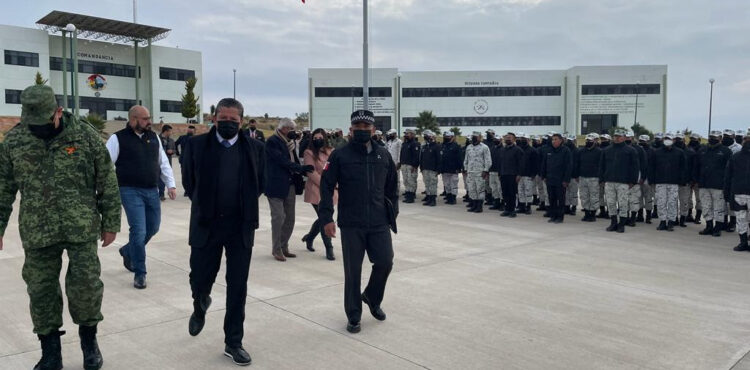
[(446, 92), (99, 104), (21, 58), (490, 121), (624, 89), (170, 106), (351, 92), (176, 74), (91, 67)]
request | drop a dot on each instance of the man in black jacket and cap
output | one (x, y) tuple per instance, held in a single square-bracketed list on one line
[(365, 175), (711, 162), (589, 158), (618, 170), (451, 164), (530, 169), (557, 165), (666, 172), (511, 167), (223, 177), (737, 189)]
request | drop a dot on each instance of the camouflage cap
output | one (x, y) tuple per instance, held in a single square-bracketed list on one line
[(695, 136), (739, 132), (448, 134), (38, 104), (592, 136), (659, 135), (490, 131), (729, 132), (620, 132), (644, 138), (605, 136), (409, 131), (715, 133), (476, 133)]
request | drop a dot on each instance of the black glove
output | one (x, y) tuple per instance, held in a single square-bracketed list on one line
[(308, 168)]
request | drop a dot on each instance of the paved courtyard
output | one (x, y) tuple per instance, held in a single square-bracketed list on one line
[(468, 291)]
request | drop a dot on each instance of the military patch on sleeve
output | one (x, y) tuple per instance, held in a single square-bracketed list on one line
[(70, 150)]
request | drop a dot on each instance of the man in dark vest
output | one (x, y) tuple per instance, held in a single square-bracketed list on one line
[(223, 176), (366, 179), (140, 162)]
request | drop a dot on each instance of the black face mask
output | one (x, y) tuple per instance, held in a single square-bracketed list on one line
[(46, 131), (738, 139), (361, 136), (545, 141), (628, 142), (189, 134), (508, 142), (694, 143), (643, 144), (227, 129), (291, 135), (746, 146), (589, 144), (446, 139), (523, 144), (713, 141), (679, 144), (318, 143), (727, 141), (604, 144), (475, 140)]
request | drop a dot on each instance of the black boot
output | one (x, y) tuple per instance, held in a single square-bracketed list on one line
[(92, 357), (662, 226), (472, 206), (535, 200), (648, 217), (612, 224), (639, 217), (308, 242), (698, 214), (585, 216), (488, 200), (689, 217), (718, 226), (631, 219), (573, 210), (198, 318), (655, 214), (479, 207), (495, 204), (527, 208), (329, 248), (709, 228), (670, 225), (408, 197), (732, 224), (51, 352), (621, 225), (682, 221), (743, 244), (432, 201), (602, 213), (542, 207), (451, 199), (466, 198)]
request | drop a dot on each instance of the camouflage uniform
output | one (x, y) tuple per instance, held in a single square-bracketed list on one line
[(409, 173), (571, 193), (541, 189), (69, 196), (686, 199), (430, 179), (715, 204), (526, 189), (495, 187), (743, 200), (634, 198), (647, 195), (589, 188), (476, 161), (618, 197), (666, 201)]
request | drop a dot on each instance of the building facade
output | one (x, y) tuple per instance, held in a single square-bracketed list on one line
[(107, 74), (579, 100)]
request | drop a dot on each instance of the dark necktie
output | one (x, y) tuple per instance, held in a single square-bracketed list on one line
[(226, 143)]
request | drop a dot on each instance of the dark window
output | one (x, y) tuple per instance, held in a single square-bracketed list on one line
[(92, 67), (624, 89), (349, 92), (170, 106), (99, 105), (176, 74), (490, 121), (442, 92), (12, 96), (21, 58)]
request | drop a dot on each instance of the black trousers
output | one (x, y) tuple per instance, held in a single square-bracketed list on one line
[(510, 190), (377, 243), (204, 265), (318, 228), (556, 194)]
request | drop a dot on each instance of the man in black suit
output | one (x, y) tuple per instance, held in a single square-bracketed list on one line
[(223, 176), (253, 132)]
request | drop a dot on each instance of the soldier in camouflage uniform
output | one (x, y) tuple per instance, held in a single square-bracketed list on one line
[(618, 170), (430, 166), (477, 163), (666, 171), (69, 199)]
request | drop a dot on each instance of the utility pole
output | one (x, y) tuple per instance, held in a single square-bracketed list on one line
[(710, 104), (365, 67), (234, 83)]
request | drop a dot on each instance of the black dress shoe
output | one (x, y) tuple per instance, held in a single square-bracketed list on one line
[(139, 282), (376, 311), (198, 318), (126, 260), (238, 355), (353, 327)]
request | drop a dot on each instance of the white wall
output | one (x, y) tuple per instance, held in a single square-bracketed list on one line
[(20, 77)]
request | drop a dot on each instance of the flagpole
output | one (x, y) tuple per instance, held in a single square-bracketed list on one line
[(365, 68)]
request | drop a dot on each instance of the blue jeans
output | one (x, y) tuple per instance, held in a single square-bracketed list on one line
[(143, 210)]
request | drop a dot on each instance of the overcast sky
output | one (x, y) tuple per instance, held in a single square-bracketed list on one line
[(272, 43)]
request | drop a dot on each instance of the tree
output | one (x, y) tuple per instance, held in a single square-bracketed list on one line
[(96, 120), (213, 110), (265, 116), (427, 121), (304, 116), (189, 100), (639, 130), (456, 131), (38, 80), (687, 132)]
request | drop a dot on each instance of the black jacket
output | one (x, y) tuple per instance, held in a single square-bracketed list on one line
[(430, 158), (619, 164), (688, 174), (711, 162), (279, 168), (530, 161), (410, 153), (367, 187), (200, 177), (541, 153), (588, 162), (737, 175), (642, 161), (667, 166), (496, 154), (557, 165), (574, 156), (451, 159), (511, 161), (649, 154), (258, 135)]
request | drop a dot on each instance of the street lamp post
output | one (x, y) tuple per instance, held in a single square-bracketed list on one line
[(637, 90), (73, 71), (710, 104), (234, 83)]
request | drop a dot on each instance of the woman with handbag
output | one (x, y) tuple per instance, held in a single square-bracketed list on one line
[(316, 155)]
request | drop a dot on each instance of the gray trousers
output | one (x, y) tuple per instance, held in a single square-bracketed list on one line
[(495, 187), (715, 205), (744, 201), (541, 189), (450, 183), (589, 188), (526, 189), (647, 196), (430, 179), (685, 194), (571, 193), (282, 221), (666, 199)]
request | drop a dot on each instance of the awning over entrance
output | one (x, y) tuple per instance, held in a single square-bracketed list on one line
[(102, 28)]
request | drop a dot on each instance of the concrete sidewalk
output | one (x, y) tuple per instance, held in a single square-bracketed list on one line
[(468, 291)]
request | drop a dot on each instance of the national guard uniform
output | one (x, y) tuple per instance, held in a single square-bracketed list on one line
[(635, 191), (685, 190), (737, 188), (477, 162), (410, 152), (619, 170), (604, 142), (69, 199), (557, 165), (451, 165), (393, 144), (489, 197), (496, 187), (647, 188), (695, 144), (588, 161), (571, 192), (666, 170), (541, 186), (530, 171), (730, 220), (711, 164), (430, 166)]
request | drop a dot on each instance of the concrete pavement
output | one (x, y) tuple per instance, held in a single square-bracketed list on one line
[(468, 291)]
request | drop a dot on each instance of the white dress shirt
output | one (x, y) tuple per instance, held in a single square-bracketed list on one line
[(167, 176), (231, 141)]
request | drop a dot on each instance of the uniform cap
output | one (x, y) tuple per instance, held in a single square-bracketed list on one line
[(669, 135), (605, 136), (427, 133), (512, 134), (729, 132), (715, 133), (659, 135), (629, 133), (679, 135), (592, 136), (572, 137), (740, 132), (378, 132), (695, 136), (339, 130), (448, 134), (490, 131), (620, 132), (409, 131), (644, 138), (476, 133), (38, 104), (391, 131), (523, 135), (364, 116), (747, 133)]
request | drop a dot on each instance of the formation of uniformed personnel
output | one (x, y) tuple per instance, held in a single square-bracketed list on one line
[(365, 176), (587, 170), (69, 199), (477, 162), (737, 189), (666, 171), (529, 170), (429, 164), (410, 152), (451, 164)]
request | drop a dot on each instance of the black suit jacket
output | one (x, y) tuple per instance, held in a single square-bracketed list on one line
[(200, 180), (258, 135)]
